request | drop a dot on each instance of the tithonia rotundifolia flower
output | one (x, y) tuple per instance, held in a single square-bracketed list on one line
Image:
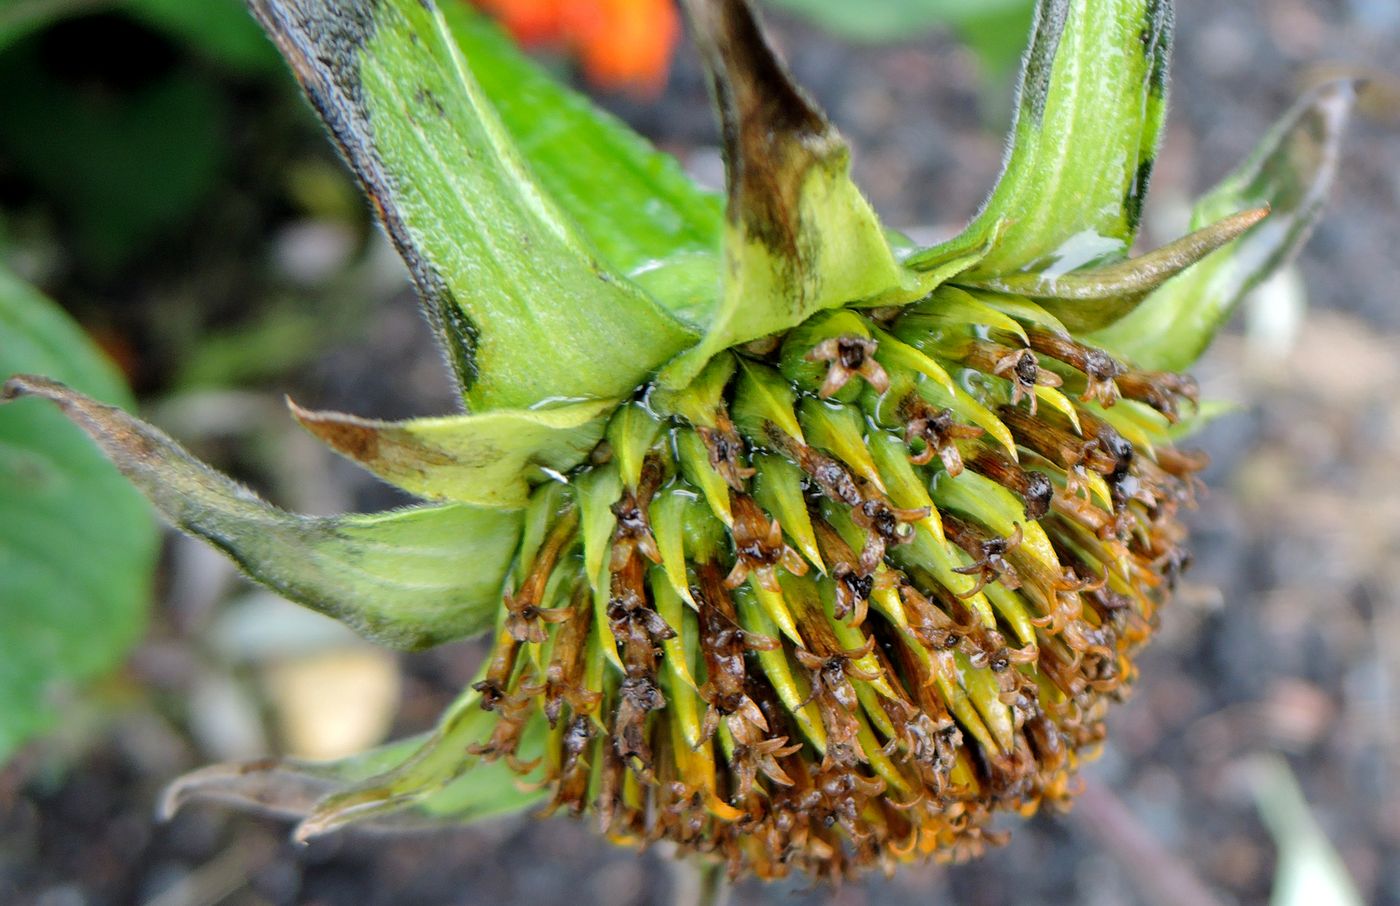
[(803, 547)]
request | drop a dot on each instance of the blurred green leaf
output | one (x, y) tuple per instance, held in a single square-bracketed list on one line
[(899, 20), (19, 18), (219, 29), (995, 31), (77, 543), (267, 347), (121, 166)]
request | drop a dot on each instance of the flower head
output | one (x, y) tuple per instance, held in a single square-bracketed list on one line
[(804, 548)]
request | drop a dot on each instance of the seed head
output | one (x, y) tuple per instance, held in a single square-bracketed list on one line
[(815, 564), (926, 663)]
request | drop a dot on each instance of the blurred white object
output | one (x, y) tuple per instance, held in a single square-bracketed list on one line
[(333, 704), (331, 693), (1274, 312), (1310, 873)]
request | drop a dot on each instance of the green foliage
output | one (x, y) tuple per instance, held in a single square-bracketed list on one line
[(123, 164), (434, 779), (373, 783), (77, 544), (487, 459), (121, 168), (800, 236), (1092, 103), (633, 204), (484, 242), (221, 30)]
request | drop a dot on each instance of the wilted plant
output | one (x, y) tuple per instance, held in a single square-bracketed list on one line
[(804, 547)]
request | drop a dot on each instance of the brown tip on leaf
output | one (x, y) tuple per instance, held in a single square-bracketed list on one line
[(21, 385), (354, 437), (266, 785), (772, 131)]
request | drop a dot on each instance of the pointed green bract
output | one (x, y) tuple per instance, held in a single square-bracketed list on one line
[(762, 397), (1092, 103), (406, 578), (526, 308), (778, 489), (1096, 297), (643, 215), (1291, 171), (694, 461), (413, 783), (441, 778), (699, 402), (840, 431), (668, 512), (631, 433), (799, 236), (491, 459)]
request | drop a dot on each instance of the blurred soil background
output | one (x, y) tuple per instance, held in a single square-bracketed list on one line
[(1284, 642)]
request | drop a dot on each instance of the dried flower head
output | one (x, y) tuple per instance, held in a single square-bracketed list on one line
[(805, 549)]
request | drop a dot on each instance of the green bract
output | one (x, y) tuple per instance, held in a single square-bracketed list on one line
[(801, 550)]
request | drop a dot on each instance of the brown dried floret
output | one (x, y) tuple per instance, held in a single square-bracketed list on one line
[(725, 449), (1162, 390), (1033, 487), (938, 432), (1100, 370), (525, 618), (724, 645), (989, 555), (759, 547), (849, 356), (1020, 367)]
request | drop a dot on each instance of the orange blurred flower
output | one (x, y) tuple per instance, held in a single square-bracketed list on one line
[(621, 43)]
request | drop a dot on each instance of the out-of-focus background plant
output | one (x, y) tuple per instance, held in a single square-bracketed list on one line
[(161, 179)]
